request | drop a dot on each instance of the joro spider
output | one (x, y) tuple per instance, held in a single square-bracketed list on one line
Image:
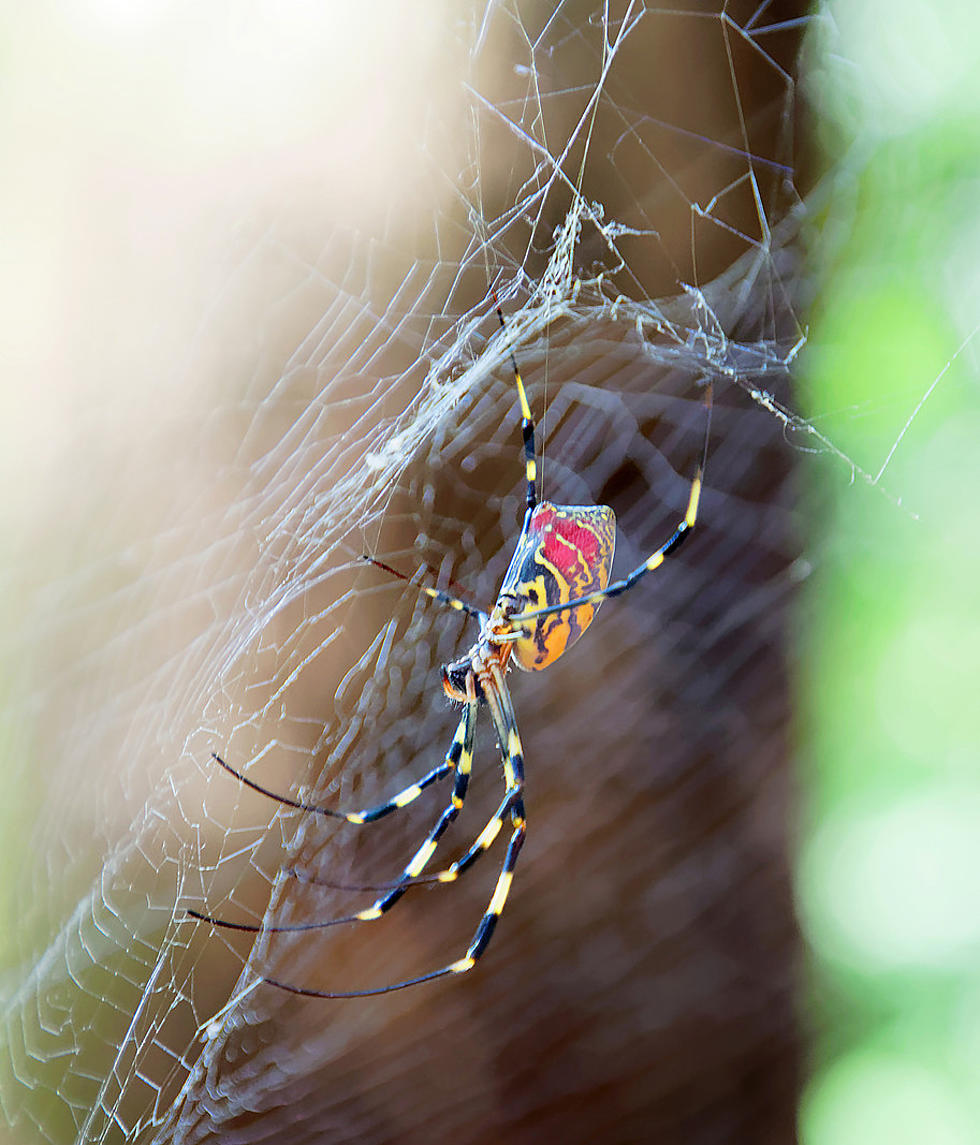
[(557, 578)]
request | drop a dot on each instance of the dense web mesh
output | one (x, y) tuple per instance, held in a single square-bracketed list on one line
[(626, 178)]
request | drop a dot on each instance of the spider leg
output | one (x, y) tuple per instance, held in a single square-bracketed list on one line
[(437, 594), (369, 814), (530, 472), (461, 755), (423, 856), (487, 837), (513, 756), (411, 875), (527, 423), (450, 874), (657, 558)]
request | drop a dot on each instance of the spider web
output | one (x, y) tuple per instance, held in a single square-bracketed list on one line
[(627, 178)]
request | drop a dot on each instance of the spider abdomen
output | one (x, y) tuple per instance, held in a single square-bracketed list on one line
[(566, 552)]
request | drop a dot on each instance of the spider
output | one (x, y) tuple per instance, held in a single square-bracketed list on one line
[(557, 578)]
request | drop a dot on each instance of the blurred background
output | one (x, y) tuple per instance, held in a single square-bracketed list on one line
[(247, 336), (886, 878)]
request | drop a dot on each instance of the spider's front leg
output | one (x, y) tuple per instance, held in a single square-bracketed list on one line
[(527, 422), (465, 687)]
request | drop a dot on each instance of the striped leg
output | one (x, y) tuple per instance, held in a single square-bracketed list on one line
[(459, 759), (527, 423), (484, 841), (652, 562), (507, 734), (436, 594), (423, 856), (482, 844), (369, 814), (505, 724)]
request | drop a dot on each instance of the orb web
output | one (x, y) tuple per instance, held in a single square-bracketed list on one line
[(625, 177)]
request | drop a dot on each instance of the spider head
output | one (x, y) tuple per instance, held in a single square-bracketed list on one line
[(455, 681)]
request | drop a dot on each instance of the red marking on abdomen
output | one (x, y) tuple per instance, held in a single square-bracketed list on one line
[(571, 548)]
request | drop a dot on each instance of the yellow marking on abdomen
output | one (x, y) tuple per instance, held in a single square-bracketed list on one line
[(368, 915)]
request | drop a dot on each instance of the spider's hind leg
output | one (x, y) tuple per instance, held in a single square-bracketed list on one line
[(463, 747), (368, 814), (513, 756), (459, 759)]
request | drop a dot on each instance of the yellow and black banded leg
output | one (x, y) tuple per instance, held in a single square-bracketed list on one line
[(513, 804), (436, 594), (514, 776), (656, 559), (423, 856), (483, 842), (368, 814), (481, 937), (461, 755), (484, 932), (527, 422), (505, 725), (412, 874)]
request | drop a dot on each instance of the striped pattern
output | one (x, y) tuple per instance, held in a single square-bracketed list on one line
[(369, 814), (565, 552)]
